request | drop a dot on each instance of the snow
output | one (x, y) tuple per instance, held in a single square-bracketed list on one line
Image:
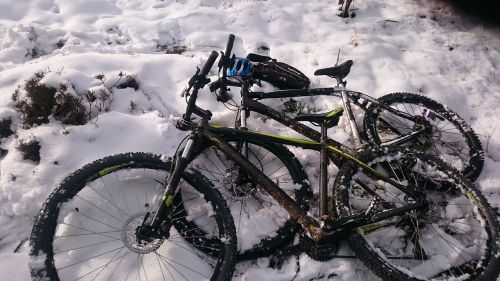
[(414, 46)]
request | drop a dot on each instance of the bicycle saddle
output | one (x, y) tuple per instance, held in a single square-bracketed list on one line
[(328, 118), (339, 71)]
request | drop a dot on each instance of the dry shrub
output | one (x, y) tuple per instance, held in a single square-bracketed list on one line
[(42, 101), (30, 149), (5, 130)]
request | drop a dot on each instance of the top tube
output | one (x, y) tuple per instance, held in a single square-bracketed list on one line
[(294, 93), (331, 91)]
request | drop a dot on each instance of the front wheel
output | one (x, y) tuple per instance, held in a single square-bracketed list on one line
[(451, 139), (86, 230), (454, 236)]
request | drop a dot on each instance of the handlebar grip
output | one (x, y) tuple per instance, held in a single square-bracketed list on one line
[(229, 46), (208, 65)]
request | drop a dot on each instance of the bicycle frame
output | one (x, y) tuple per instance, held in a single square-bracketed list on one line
[(329, 226)]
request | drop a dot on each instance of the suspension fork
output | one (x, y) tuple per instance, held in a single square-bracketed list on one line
[(172, 186)]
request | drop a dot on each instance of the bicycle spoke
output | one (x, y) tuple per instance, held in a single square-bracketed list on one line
[(95, 269), (87, 246), (108, 200), (102, 233), (102, 210), (101, 254), (184, 266)]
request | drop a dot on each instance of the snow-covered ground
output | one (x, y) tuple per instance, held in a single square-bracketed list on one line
[(404, 45)]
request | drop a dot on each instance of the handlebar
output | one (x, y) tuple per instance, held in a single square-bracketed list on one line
[(229, 45), (218, 84), (199, 80)]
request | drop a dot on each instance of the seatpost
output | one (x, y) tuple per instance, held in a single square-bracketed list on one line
[(243, 110), (347, 108), (243, 116), (323, 180)]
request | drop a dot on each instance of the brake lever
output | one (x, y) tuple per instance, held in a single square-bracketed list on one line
[(185, 92)]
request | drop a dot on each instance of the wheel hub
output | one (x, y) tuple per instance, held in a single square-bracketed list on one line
[(238, 184), (425, 139), (130, 238)]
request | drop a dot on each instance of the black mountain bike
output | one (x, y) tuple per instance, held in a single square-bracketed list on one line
[(399, 119)]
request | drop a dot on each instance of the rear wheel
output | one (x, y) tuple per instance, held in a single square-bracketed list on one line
[(453, 237), (86, 230), (452, 139)]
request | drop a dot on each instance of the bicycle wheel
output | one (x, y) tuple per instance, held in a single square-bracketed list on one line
[(454, 237), (452, 138), (86, 228), (262, 224)]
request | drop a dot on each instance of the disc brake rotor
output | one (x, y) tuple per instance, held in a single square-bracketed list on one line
[(130, 240), (237, 184)]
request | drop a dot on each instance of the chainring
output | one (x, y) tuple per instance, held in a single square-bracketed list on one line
[(323, 251)]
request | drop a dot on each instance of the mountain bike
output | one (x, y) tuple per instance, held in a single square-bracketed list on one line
[(407, 215), (415, 121)]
